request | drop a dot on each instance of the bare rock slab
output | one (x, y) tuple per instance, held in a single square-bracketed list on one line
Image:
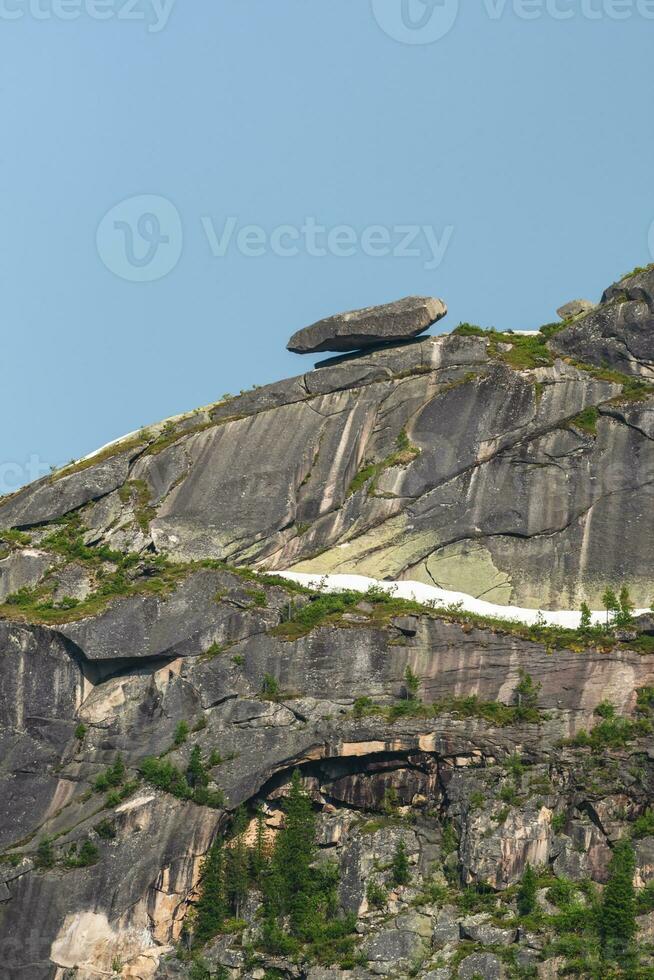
[(398, 321), (575, 308)]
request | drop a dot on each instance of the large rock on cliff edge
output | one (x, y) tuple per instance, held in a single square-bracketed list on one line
[(516, 469), (392, 322)]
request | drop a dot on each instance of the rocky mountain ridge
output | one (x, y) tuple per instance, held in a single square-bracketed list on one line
[(472, 461)]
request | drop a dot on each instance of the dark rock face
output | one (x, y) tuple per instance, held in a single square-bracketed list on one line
[(620, 331), (130, 675), (181, 624), (391, 323)]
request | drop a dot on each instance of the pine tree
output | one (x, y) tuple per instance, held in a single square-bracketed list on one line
[(211, 908), (411, 684), (623, 615), (400, 866), (290, 880), (45, 856), (585, 621), (527, 892), (526, 696), (617, 917), (196, 775), (258, 860), (611, 604), (236, 875), (116, 773)]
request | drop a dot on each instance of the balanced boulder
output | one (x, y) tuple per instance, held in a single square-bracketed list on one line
[(391, 323)]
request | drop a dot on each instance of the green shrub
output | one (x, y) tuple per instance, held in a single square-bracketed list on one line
[(111, 777), (644, 825), (105, 829), (376, 895), (270, 686), (167, 777), (181, 733), (45, 856), (558, 822), (258, 597), (411, 684), (87, 855), (526, 696), (400, 874), (645, 899), (364, 706), (587, 420)]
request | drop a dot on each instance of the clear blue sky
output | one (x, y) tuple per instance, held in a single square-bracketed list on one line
[(525, 145)]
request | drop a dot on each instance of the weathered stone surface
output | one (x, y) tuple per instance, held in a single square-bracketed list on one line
[(483, 965), (447, 927), (22, 569), (499, 484), (574, 308), (183, 623), (431, 765), (480, 930), (73, 581), (392, 322), (55, 496), (620, 331)]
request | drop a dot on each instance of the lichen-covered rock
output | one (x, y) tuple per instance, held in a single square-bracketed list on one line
[(479, 929), (483, 965), (574, 308), (23, 570)]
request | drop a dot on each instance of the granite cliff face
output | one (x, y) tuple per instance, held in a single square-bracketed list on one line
[(517, 468), (139, 630)]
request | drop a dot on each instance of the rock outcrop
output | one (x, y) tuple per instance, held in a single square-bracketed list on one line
[(575, 308), (502, 466), (618, 333), (374, 325)]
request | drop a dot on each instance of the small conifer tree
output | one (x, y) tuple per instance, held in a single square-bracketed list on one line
[(527, 892), (211, 908), (612, 606), (196, 775), (411, 684), (617, 916), (585, 621), (623, 616), (400, 866)]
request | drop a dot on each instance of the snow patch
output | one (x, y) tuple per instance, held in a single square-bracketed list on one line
[(426, 594)]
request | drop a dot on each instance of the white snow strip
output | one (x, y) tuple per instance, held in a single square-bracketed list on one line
[(430, 594), (108, 445)]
